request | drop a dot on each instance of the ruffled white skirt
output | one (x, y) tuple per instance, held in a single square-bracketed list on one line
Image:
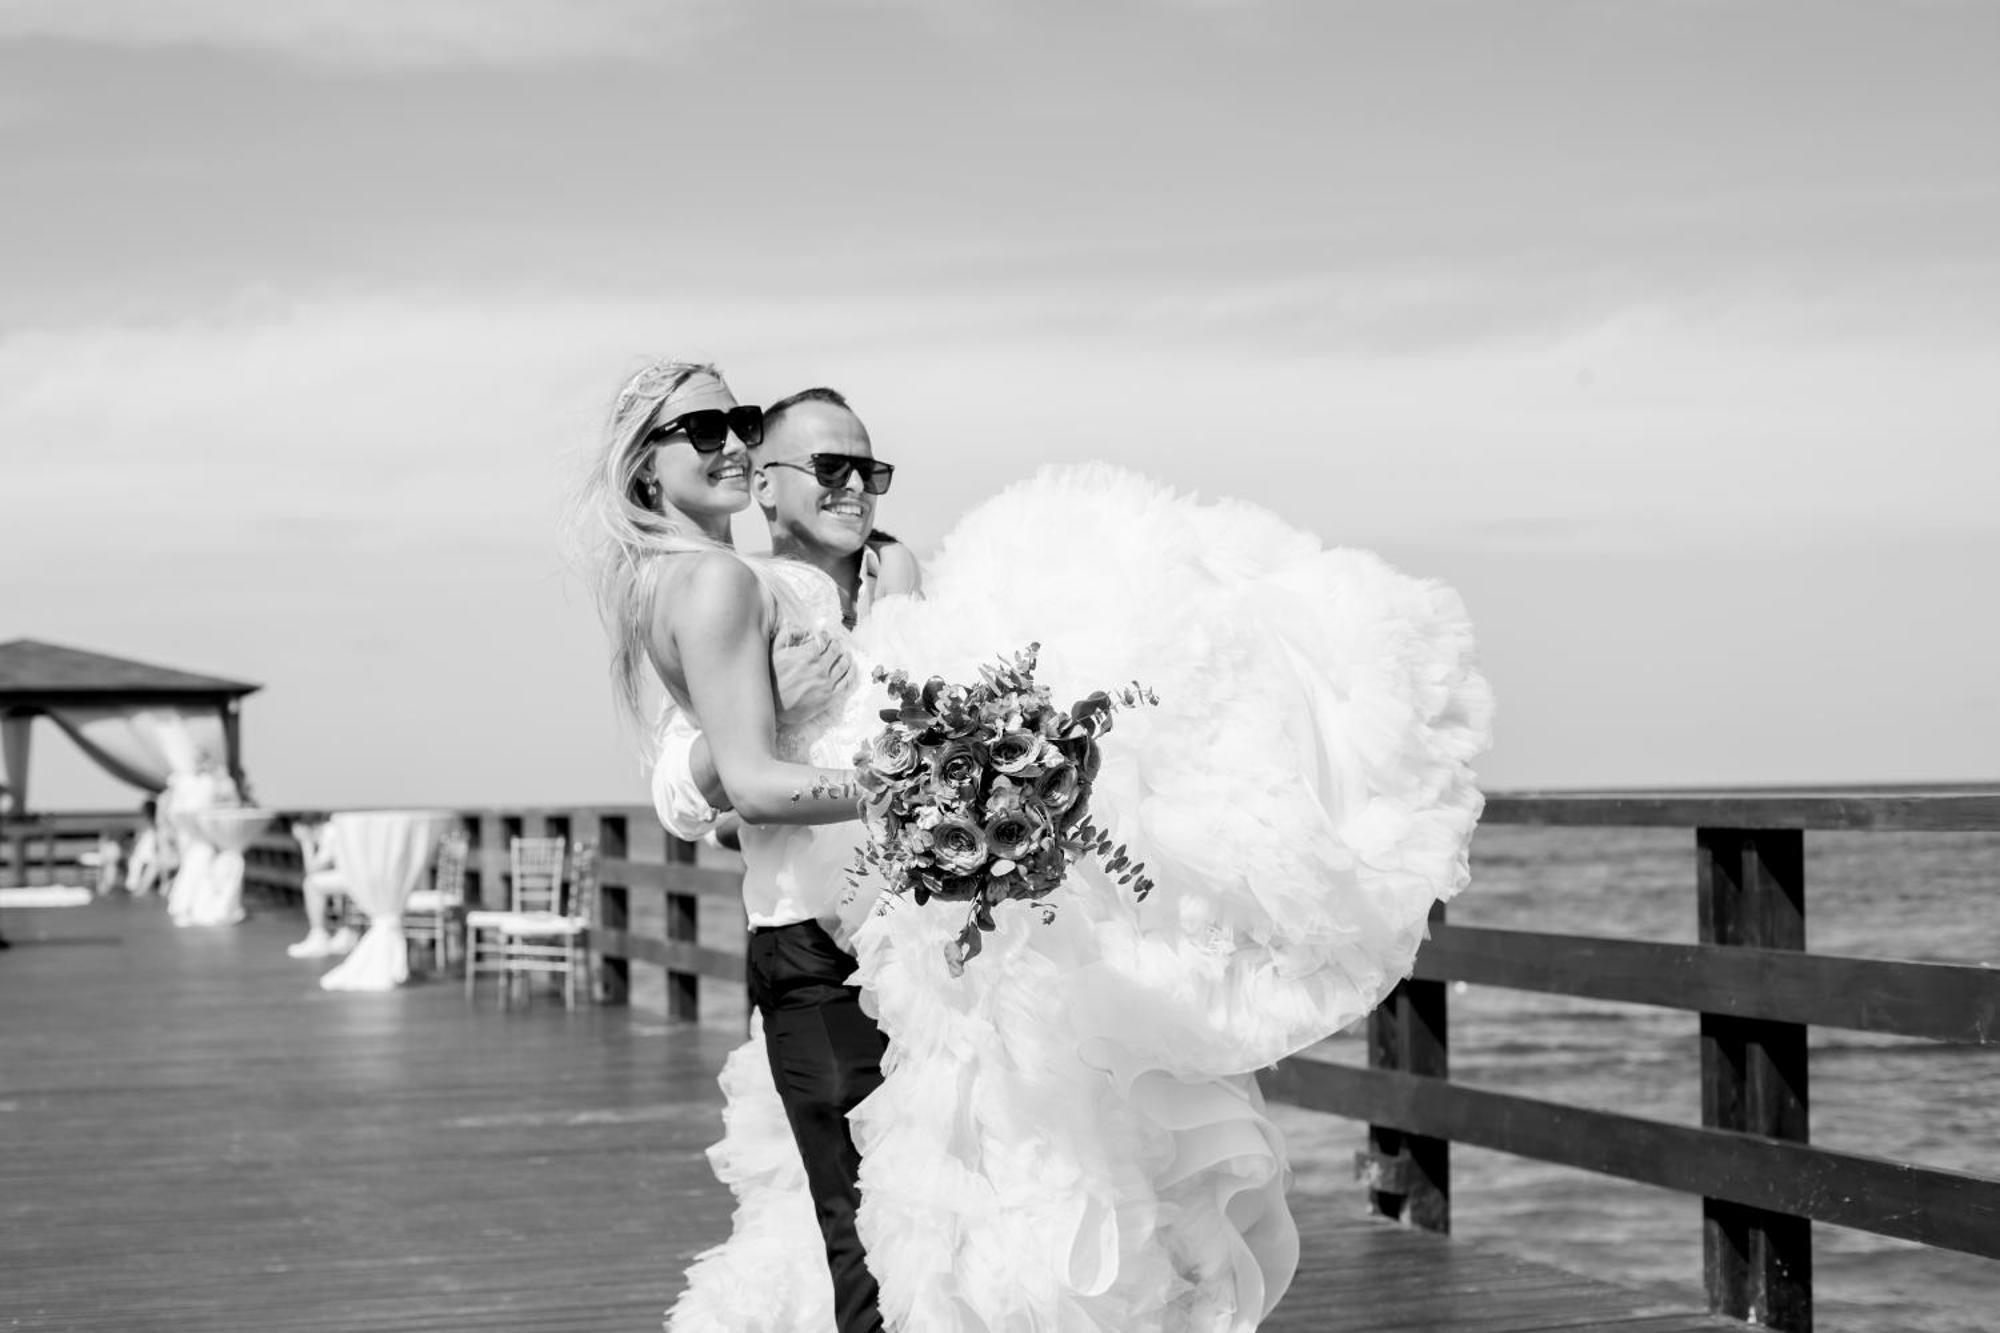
[(1068, 1136)]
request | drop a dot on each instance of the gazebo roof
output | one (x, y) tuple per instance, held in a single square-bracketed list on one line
[(33, 672)]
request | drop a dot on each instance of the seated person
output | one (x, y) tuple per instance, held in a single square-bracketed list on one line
[(321, 884), (107, 857), (155, 856)]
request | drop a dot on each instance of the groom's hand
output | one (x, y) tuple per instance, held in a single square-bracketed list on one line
[(808, 672)]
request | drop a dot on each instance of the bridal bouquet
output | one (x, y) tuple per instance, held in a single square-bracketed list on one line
[(981, 793)]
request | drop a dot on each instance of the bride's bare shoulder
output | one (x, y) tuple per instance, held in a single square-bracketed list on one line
[(707, 589)]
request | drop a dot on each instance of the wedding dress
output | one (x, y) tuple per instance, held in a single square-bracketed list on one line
[(1069, 1135)]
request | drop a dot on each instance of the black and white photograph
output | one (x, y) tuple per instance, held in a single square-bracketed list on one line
[(999, 666)]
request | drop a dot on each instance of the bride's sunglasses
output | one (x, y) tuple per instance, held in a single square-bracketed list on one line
[(709, 429), (833, 470)]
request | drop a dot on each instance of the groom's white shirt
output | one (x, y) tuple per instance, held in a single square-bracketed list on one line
[(773, 891)]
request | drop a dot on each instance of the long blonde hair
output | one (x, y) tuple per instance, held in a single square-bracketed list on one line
[(621, 535)]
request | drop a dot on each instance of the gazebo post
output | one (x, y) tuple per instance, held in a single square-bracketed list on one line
[(14, 747), (232, 739), (14, 741)]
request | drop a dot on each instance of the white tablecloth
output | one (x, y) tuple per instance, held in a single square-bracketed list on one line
[(197, 866), (383, 854), (216, 898)]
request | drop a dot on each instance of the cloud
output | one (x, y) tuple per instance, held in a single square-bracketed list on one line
[(423, 417), (412, 35), (376, 34), (357, 497)]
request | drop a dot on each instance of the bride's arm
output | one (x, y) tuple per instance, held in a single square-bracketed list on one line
[(807, 675), (897, 573), (718, 623)]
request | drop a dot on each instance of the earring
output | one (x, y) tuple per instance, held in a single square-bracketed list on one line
[(648, 490)]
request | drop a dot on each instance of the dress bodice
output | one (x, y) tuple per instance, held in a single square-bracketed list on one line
[(807, 602)]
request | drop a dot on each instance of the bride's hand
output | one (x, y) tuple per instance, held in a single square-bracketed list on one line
[(808, 673)]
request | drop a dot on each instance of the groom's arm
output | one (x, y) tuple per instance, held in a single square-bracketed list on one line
[(808, 672), (897, 573), (717, 621)]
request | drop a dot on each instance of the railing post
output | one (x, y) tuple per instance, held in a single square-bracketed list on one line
[(614, 911), (489, 855), (1757, 1264), (683, 923), (1409, 1175)]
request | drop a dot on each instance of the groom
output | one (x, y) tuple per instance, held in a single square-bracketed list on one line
[(812, 478)]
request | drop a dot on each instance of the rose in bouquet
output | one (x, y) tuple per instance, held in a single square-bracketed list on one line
[(980, 793)]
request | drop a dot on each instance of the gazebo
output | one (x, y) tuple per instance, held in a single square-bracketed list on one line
[(140, 723)]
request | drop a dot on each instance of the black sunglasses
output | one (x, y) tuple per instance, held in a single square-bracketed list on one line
[(709, 428), (833, 470)]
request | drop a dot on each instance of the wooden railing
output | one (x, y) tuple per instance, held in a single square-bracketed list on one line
[(45, 847), (1757, 991), (675, 911), (671, 907)]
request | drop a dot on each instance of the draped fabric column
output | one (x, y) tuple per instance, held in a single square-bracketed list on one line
[(383, 854), (226, 831)]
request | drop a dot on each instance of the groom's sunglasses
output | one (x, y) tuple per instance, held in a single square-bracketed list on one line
[(833, 470), (709, 429)]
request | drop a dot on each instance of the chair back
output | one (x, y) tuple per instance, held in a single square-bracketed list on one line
[(537, 866), (583, 882), (449, 878)]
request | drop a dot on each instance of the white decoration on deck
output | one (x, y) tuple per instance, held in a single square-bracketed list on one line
[(384, 854)]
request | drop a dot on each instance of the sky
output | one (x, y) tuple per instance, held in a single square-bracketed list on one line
[(1668, 333)]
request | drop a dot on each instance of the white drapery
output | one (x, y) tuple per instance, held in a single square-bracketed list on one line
[(145, 746), (190, 889), (384, 855), (216, 899), (179, 752)]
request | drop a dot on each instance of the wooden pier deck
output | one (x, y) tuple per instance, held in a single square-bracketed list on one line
[(194, 1137)]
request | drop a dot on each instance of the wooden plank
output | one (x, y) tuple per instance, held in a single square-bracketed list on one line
[(1366, 1275), (1938, 811), (693, 880), (683, 956), (1949, 1209), (261, 1156), (1944, 1001)]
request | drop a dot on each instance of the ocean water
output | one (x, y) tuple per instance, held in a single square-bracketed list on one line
[(1927, 897)]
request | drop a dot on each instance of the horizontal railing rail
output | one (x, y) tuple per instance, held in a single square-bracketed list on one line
[(1881, 810), (53, 844), (1947, 1209), (1942, 1001), (1757, 992)]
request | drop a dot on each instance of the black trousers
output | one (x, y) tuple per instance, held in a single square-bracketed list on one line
[(826, 1055)]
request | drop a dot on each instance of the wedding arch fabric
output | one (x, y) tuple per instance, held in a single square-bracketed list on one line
[(144, 746), (384, 855), (1069, 1136)]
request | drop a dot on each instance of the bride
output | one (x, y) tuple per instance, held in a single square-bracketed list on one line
[(1069, 1135)]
